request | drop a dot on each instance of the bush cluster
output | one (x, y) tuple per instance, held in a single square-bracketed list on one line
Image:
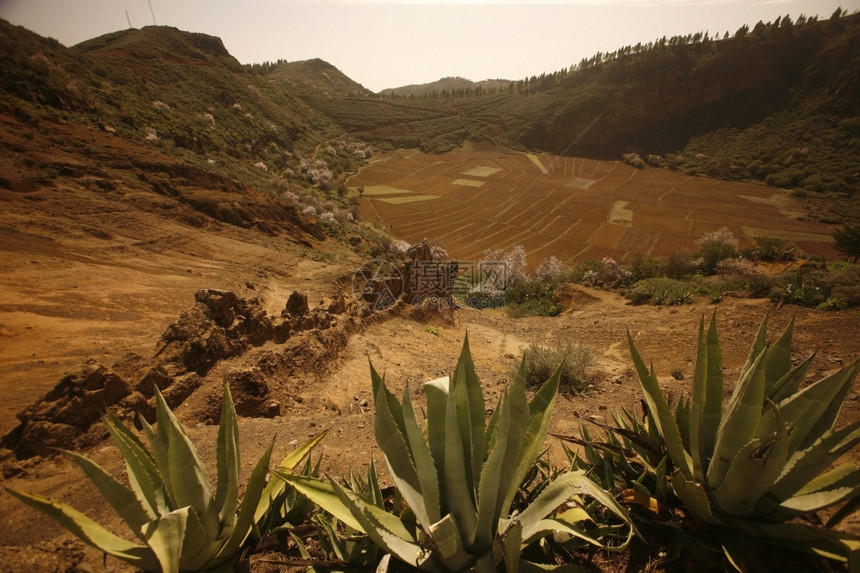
[(575, 360), (717, 269), (660, 291)]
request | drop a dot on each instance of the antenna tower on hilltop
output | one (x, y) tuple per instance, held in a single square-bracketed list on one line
[(151, 11), (127, 17)]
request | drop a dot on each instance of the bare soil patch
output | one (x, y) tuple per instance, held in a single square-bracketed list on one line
[(625, 210)]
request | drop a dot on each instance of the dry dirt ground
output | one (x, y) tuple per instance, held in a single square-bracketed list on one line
[(90, 270)]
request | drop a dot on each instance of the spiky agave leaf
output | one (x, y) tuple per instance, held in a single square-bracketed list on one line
[(564, 487), (91, 532), (470, 469), (276, 487), (739, 422), (707, 400), (122, 499), (773, 441), (144, 477), (666, 427), (189, 537), (400, 439), (227, 463)]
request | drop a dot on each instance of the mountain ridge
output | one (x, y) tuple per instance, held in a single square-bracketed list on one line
[(447, 86), (774, 103)]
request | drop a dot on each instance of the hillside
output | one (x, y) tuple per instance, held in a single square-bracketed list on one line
[(448, 87), (152, 153), (316, 78)]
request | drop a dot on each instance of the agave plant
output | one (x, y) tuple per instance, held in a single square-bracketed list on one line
[(629, 457), (756, 465), (343, 545), (169, 506), (281, 507), (460, 476)]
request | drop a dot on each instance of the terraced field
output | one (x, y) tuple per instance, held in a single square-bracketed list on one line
[(570, 207)]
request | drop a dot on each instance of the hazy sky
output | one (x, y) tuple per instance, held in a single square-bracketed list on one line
[(390, 43)]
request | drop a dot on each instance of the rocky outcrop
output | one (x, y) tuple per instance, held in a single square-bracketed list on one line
[(66, 413), (220, 328)]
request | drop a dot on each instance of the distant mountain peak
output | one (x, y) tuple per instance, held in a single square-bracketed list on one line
[(448, 84), (317, 77)]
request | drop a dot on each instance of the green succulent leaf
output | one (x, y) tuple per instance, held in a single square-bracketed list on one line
[(695, 499), (436, 392), (740, 421), (814, 409), (276, 487), (828, 543), (227, 462), (382, 396), (540, 415), (185, 472), (509, 546), (192, 536), (392, 437), (90, 531), (459, 492), (707, 401), (758, 348), (837, 485), (778, 360), (165, 536), (494, 479), (661, 414), (118, 495), (428, 480), (753, 471), (382, 527), (144, 477), (447, 541), (805, 465), (563, 488), (791, 382), (322, 493), (250, 501), (473, 419)]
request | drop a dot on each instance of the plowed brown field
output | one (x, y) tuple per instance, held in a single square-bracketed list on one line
[(570, 207)]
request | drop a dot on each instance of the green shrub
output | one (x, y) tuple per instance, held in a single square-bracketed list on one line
[(716, 247), (533, 297), (833, 303), (642, 267), (847, 239), (759, 285), (848, 293), (660, 291), (715, 291), (573, 359), (771, 249), (805, 287), (679, 265)]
